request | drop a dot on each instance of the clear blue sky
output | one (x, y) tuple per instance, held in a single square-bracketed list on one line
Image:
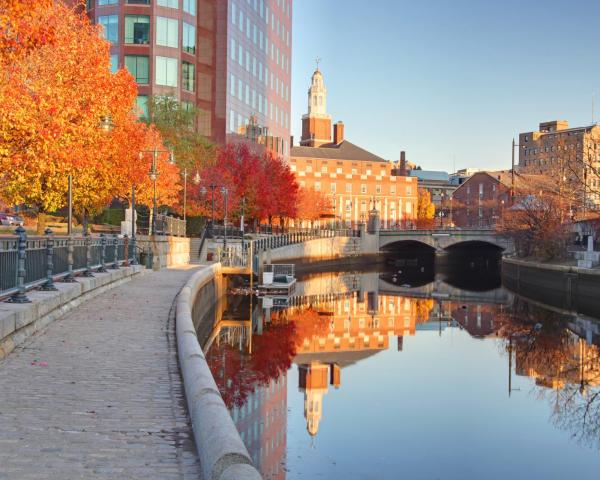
[(445, 79)]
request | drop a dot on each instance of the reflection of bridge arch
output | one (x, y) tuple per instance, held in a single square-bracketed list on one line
[(236, 333)]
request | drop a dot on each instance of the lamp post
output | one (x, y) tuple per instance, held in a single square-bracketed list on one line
[(225, 192), (153, 174)]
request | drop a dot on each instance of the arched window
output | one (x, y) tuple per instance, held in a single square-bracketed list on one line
[(315, 101), (320, 100)]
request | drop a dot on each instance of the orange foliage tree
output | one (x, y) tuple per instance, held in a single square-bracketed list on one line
[(55, 88), (312, 205)]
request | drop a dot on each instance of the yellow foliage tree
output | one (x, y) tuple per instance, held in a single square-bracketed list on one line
[(425, 209)]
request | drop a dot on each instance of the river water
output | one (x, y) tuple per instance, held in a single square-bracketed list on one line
[(402, 372)]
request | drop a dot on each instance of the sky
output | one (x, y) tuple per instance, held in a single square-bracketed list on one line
[(449, 82)]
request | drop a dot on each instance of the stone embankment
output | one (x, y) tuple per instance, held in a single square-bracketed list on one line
[(223, 455)]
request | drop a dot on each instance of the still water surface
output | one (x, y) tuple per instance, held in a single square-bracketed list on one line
[(385, 375)]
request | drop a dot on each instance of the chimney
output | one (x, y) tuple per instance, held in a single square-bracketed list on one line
[(338, 133), (403, 172)]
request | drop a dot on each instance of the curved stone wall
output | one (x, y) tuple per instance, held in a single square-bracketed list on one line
[(223, 455)]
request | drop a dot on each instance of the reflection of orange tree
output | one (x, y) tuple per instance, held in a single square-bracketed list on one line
[(238, 374), (309, 324), (423, 307)]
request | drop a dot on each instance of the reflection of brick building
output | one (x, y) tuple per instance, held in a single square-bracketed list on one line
[(367, 324), (262, 423), (356, 180), (478, 320)]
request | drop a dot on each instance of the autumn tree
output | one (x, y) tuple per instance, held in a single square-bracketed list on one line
[(56, 87), (425, 209), (312, 204)]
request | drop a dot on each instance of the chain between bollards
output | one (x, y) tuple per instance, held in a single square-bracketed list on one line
[(49, 285), (20, 296), (102, 268)]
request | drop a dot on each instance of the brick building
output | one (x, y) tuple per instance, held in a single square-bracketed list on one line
[(230, 58), (571, 155), (355, 179), (481, 200)]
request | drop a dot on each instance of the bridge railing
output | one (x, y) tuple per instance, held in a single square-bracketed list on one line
[(299, 236)]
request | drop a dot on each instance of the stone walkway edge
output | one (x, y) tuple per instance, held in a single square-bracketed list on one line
[(223, 455), (19, 321)]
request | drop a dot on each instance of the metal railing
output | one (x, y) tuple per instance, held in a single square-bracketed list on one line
[(27, 263), (168, 225), (299, 236), (235, 255)]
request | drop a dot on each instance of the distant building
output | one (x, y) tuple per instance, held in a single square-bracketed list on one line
[(437, 183), (570, 155), (355, 179)]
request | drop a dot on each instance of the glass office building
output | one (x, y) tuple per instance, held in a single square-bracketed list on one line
[(230, 58)]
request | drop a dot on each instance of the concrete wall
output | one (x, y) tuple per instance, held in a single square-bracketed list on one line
[(222, 452), (569, 288), (20, 321), (166, 251)]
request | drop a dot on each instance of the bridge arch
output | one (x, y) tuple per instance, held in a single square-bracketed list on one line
[(408, 245)]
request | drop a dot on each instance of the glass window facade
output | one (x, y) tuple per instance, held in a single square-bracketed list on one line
[(166, 71), (189, 6), (137, 29), (107, 2), (188, 76), (167, 32), (189, 38), (138, 66), (142, 105), (257, 98), (168, 3), (114, 62), (110, 27)]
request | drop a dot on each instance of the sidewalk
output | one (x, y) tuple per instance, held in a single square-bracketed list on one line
[(98, 394)]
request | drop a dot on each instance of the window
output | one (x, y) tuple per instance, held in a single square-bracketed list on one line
[(189, 6), (408, 190), (167, 33), (233, 49), (232, 85), (189, 38), (107, 2), (317, 185), (333, 187), (110, 27), (137, 29), (363, 188), (138, 67), (168, 3), (188, 76), (166, 71), (348, 188), (138, 2), (142, 105), (114, 63), (324, 168), (377, 188)]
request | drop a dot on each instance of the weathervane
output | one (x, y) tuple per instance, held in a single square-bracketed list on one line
[(318, 60)]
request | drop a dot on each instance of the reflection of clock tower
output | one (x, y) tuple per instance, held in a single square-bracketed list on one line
[(314, 380), (316, 124)]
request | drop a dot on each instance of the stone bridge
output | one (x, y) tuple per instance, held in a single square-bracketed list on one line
[(441, 240)]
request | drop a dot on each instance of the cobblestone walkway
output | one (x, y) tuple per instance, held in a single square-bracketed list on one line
[(97, 394)]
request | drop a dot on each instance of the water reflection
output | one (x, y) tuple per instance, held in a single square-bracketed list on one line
[(338, 321)]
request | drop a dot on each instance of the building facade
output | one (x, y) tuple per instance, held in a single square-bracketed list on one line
[(571, 155), (355, 180), (229, 58)]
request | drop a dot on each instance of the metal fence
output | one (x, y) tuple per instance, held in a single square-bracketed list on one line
[(299, 236), (27, 263), (167, 225)]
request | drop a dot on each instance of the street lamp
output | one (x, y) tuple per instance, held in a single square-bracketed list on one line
[(225, 192), (153, 174)]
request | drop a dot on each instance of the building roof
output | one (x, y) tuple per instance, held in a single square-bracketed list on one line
[(430, 175), (332, 151)]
